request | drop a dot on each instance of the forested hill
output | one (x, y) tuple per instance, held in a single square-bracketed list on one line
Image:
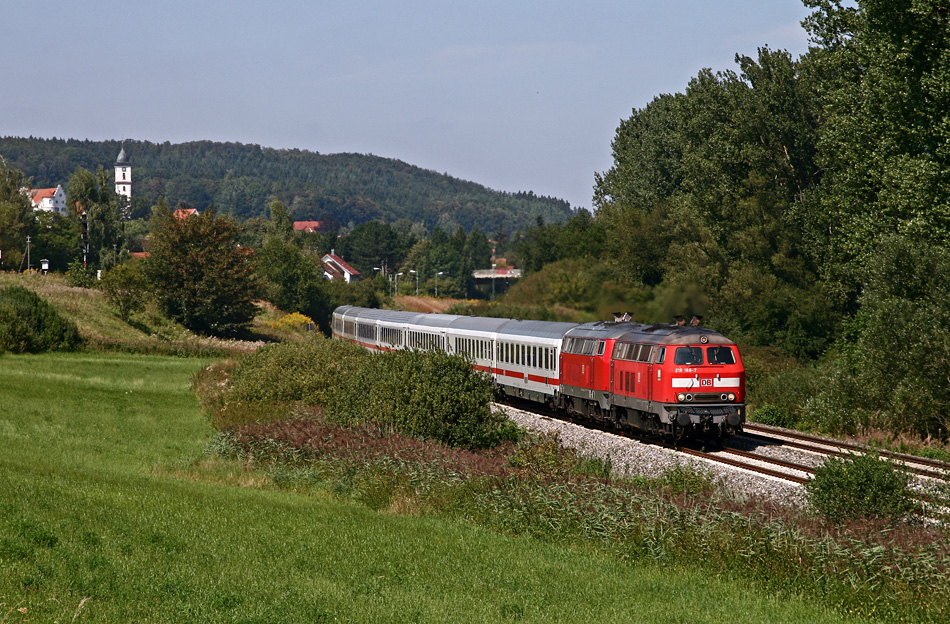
[(242, 178)]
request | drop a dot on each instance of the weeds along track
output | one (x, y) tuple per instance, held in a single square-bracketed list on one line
[(826, 447)]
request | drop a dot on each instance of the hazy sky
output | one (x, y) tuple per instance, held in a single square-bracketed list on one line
[(513, 95)]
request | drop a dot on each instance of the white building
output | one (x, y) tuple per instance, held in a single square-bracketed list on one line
[(123, 176), (52, 199)]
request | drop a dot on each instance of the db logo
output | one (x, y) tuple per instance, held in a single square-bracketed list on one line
[(705, 382)]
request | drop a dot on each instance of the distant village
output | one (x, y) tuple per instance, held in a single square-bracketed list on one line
[(54, 200)]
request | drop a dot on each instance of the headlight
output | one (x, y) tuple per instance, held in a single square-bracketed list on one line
[(732, 397), (680, 397)]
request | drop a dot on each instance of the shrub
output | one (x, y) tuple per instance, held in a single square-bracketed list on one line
[(125, 287), (431, 395), (859, 486), (29, 324), (774, 415), (80, 275), (308, 371)]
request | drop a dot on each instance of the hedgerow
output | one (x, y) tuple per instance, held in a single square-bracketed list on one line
[(430, 395), (29, 324), (426, 395)]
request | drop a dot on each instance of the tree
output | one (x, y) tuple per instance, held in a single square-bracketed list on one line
[(16, 216), (281, 224), (125, 287), (884, 142), (94, 195), (201, 277), (57, 239), (294, 279)]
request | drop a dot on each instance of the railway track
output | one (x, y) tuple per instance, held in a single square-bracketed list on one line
[(921, 466), (735, 458), (791, 471)]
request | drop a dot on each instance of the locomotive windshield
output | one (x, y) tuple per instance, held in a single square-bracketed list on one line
[(688, 356), (720, 355)]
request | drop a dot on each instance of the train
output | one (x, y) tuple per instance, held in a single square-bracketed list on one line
[(672, 379)]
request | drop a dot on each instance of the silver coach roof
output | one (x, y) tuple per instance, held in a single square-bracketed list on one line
[(434, 320), (479, 323), (536, 329)]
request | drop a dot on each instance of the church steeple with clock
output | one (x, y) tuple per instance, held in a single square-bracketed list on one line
[(123, 176)]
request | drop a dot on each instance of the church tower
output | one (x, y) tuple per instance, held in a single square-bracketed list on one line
[(123, 176)]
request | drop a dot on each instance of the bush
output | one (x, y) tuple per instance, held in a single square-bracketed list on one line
[(774, 415), (80, 275), (29, 324), (860, 486), (431, 395), (125, 287), (309, 371)]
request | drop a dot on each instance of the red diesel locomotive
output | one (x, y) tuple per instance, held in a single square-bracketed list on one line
[(673, 379)]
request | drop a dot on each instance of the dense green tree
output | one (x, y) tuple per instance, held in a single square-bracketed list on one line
[(94, 195), (201, 277), (57, 240), (885, 137), (16, 216), (293, 279), (281, 225), (702, 195), (371, 244), (892, 367)]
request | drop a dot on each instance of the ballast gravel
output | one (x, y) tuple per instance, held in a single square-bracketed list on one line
[(630, 457)]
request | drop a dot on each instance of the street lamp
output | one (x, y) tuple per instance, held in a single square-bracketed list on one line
[(417, 281), (397, 282), (437, 283)]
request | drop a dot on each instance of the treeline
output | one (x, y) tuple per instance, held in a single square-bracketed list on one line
[(342, 189), (802, 205)]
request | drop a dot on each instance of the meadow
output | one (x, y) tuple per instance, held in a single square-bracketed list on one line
[(111, 512)]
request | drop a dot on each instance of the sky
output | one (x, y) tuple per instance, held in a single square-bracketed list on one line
[(514, 95)]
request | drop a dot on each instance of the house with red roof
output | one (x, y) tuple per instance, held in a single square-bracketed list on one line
[(307, 226), (184, 213), (51, 199), (334, 267)]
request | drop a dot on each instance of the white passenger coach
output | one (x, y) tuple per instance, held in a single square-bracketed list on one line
[(523, 357)]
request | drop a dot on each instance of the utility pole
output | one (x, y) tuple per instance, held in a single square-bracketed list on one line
[(84, 235), (28, 267)]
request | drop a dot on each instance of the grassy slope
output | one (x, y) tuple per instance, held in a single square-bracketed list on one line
[(100, 324), (88, 511)]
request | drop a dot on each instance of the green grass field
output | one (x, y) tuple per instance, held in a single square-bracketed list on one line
[(95, 526)]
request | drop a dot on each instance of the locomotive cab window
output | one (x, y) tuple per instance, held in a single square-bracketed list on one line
[(661, 355), (688, 356), (720, 355)]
